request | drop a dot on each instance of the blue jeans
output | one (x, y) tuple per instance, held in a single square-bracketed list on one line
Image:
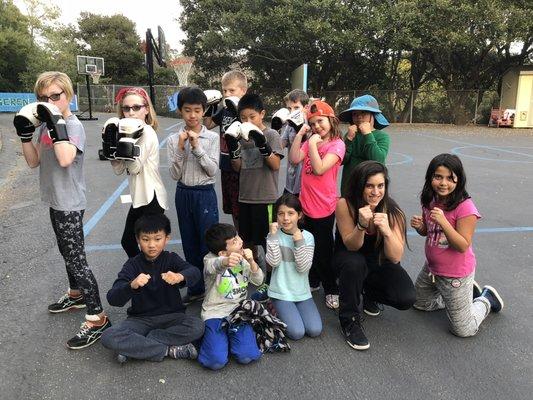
[(148, 338), (221, 339), (197, 210), (302, 317)]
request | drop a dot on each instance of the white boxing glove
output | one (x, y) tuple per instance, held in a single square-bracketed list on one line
[(25, 122), (213, 96), (232, 104), (279, 118), (296, 119), (129, 132)]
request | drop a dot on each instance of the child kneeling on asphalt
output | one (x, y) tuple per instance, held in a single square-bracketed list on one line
[(156, 326), (227, 270)]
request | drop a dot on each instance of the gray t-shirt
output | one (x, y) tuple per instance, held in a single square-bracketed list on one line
[(293, 182), (258, 184), (63, 189)]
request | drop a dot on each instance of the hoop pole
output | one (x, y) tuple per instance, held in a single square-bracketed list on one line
[(150, 63), (90, 97)]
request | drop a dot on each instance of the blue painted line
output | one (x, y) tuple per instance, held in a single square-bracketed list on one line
[(111, 247), (88, 227), (407, 159), (457, 151)]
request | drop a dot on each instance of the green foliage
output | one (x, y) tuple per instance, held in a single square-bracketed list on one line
[(113, 38), (15, 45)]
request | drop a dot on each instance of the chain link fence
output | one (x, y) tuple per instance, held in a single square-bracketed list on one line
[(407, 106)]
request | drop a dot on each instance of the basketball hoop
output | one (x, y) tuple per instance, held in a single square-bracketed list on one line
[(95, 76), (182, 66)]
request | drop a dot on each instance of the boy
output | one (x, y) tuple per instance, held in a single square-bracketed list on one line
[(228, 269), (156, 326), (193, 154), (59, 151), (295, 100), (258, 163), (364, 140), (234, 86)]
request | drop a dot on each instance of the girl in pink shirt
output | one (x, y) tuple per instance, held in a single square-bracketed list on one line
[(448, 221), (322, 156)]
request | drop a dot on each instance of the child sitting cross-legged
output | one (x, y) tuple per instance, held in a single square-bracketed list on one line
[(228, 268), (156, 326)]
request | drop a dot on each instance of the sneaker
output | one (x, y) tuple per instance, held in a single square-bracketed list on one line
[(191, 298), (87, 335), (476, 290), (121, 358), (371, 307), (66, 302), (354, 333), (187, 351), (261, 294), (496, 302), (332, 301)]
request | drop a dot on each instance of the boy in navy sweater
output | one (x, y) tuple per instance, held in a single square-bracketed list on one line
[(156, 326)]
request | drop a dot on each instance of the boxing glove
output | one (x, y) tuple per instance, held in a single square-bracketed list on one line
[(279, 118), (25, 122), (110, 138), (213, 98), (260, 141), (129, 132), (296, 119), (232, 104), (52, 117), (234, 147)]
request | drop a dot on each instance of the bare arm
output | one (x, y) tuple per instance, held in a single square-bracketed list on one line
[(31, 152), (351, 235), (460, 238), (65, 153)]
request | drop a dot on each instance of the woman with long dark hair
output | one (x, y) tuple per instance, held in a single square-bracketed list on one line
[(370, 240)]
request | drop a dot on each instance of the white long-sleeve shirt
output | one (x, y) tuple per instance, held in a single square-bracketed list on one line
[(143, 173)]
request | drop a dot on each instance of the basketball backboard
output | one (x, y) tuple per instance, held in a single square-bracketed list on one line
[(162, 44), (88, 65), (299, 78)]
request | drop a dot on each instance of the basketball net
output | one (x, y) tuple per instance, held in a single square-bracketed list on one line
[(182, 66), (95, 76)]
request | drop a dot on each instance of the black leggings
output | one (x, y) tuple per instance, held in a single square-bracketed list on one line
[(68, 227), (387, 283), (129, 241), (322, 269)]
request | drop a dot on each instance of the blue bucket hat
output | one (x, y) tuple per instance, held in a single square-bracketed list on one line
[(365, 103)]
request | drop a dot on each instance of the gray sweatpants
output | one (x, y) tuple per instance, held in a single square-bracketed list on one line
[(434, 292), (148, 338)]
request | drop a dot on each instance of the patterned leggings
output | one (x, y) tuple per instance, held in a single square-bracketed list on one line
[(68, 227)]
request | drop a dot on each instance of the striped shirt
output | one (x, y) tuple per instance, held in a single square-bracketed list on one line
[(194, 167), (290, 261)]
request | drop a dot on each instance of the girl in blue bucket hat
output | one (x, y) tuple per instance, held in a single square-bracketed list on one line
[(364, 140)]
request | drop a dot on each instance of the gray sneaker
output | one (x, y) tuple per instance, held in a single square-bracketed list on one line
[(187, 351)]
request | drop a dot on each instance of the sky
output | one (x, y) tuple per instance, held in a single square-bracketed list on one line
[(145, 14)]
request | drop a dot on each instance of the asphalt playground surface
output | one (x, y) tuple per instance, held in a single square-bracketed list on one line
[(412, 354)]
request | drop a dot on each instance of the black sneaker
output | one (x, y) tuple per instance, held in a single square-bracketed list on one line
[(66, 303), (496, 302), (476, 290), (372, 308), (87, 335), (354, 333), (261, 294), (191, 298), (187, 351)]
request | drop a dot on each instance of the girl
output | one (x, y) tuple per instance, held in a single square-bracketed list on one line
[(448, 221), (369, 247), (290, 254), (147, 191), (322, 155), (62, 186)]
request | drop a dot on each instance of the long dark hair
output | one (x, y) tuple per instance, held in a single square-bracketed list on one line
[(354, 197), (291, 201), (454, 164)]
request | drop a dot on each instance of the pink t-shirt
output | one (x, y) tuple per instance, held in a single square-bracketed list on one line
[(318, 194), (443, 260)]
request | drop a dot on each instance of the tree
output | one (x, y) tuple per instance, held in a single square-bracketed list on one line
[(15, 45), (114, 38)]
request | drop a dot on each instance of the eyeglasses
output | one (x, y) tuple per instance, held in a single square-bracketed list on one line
[(53, 97), (135, 108)]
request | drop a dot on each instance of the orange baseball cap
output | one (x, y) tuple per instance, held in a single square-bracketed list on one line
[(319, 108)]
